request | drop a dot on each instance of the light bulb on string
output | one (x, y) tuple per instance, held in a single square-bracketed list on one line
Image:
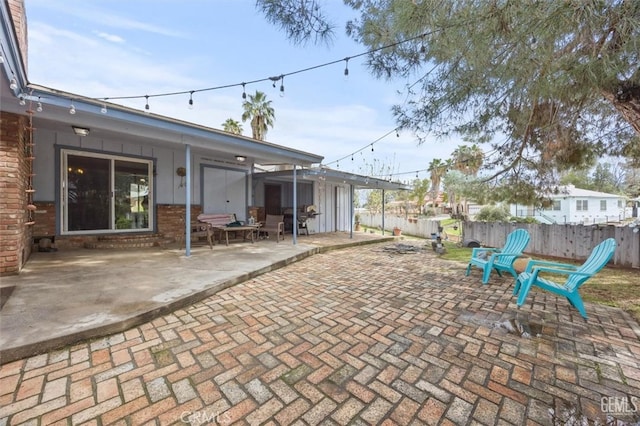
[(275, 79), (346, 68), (103, 110), (191, 100), (39, 105), (244, 93), (72, 108), (282, 87), (13, 85), (146, 106), (22, 101)]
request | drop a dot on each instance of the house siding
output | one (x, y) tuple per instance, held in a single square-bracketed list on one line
[(170, 196), (569, 213), (15, 235)]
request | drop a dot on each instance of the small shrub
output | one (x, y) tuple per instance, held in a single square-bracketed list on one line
[(493, 214)]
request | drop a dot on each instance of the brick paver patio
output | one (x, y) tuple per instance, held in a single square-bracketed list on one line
[(355, 336)]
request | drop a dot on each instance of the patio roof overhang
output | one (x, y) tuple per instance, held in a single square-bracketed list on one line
[(131, 125), (335, 176)]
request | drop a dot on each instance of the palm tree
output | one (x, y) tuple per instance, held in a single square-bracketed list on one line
[(259, 110), (468, 159), (232, 126), (438, 169)]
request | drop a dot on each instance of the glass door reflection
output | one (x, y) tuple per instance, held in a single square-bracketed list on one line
[(131, 195)]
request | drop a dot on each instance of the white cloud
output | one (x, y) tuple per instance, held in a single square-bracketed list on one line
[(109, 37)]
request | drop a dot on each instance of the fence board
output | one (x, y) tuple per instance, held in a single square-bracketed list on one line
[(562, 241), (557, 240)]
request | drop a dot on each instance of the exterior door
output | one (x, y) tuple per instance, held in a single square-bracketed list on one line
[(104, 193), (273, 199)]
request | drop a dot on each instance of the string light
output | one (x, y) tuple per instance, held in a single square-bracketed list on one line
[(39, 105), (22, 100), (275, 79), (191, 100), (346, 68), (13, 85), (244, 93), (103, 110), (72, 109), (282, 87), (146, 106)]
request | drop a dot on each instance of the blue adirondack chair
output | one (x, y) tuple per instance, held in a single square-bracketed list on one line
[(502, 259), (576, 275)]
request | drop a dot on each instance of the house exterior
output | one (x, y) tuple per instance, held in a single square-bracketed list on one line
[(573, 205), (77, 170)]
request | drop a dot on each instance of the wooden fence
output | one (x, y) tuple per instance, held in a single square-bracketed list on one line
[(562, 241)]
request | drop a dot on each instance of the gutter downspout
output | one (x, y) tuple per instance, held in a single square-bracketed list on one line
[(187, 208)]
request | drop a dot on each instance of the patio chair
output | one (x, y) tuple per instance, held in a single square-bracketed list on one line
[(575, 275), (273, 225), (502, 259)]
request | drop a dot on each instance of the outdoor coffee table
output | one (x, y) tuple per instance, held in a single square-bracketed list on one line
[(248, 231)]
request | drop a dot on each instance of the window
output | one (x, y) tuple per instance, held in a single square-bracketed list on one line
[(104, 193), (603, 205), (556, 205), (582, 205)]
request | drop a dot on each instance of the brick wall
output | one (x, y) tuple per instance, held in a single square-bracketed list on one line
[(15, 235), (170, 219), (170, 224), (45, 217)]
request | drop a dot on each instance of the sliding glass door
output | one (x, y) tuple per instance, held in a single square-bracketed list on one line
[(105, 193)]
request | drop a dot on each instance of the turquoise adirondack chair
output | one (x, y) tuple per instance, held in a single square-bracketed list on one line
[(502, 259), (576, 275)]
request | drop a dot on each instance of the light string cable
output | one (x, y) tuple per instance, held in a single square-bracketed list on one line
[(273, 79), (369, 145), (280, 77)]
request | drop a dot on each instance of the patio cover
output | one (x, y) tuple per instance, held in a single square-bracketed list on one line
[(333, 176), (336, 176)]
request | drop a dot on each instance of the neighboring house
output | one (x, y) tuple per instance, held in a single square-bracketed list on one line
[(573, 205), (79, 170)]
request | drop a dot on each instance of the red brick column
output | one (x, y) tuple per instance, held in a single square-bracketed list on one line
[(171, 219), (15, 236)]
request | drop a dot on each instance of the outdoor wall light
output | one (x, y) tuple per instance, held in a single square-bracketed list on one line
[(241, 158), (80, 131)]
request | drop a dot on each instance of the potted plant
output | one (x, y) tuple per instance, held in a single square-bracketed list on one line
[(396, 231), (357, 222)]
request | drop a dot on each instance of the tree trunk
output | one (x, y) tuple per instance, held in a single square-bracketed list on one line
[(627, 102)]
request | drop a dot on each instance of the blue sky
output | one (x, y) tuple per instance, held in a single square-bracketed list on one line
[(113, 48)]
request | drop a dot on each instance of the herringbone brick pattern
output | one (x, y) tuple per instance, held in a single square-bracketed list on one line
[(356, 336)]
